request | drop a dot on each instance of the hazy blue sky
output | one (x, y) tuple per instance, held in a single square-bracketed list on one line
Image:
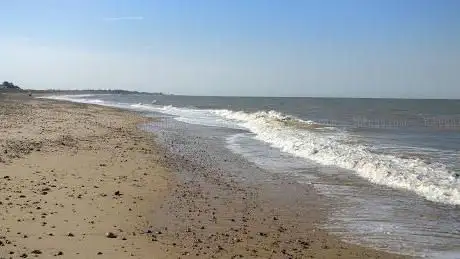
[(387, 48)]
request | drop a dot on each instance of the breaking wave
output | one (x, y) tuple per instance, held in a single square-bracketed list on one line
[(432, 181)]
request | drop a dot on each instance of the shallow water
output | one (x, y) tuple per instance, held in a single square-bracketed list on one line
[(388, 219)]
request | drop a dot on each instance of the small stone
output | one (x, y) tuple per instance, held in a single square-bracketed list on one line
[(99, 253), (282, 229), (117, 193), (60, 253), (37, 252), (70, 235), (110, 235)]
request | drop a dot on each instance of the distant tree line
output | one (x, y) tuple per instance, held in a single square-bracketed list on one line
[(9, 85), (97, 91)]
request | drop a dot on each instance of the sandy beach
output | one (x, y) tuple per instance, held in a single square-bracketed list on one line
[(71, 174), (83, 181)]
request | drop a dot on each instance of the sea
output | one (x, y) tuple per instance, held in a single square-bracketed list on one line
[(392, 165)]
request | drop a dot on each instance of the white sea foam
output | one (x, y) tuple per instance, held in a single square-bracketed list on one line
[(192, 116), (70, 96), (80, 98), (309, 140), (432, 181)]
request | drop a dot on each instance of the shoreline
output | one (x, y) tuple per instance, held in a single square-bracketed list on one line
[(256, 217), (76, 147)]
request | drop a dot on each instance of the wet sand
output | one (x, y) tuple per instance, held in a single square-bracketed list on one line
[(83, 181)]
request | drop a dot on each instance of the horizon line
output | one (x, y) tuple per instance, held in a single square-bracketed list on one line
[(244, 96)]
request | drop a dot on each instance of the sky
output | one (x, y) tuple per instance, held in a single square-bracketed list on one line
[(342, 48)]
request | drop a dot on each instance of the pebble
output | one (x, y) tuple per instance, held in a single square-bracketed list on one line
[(110, 235)]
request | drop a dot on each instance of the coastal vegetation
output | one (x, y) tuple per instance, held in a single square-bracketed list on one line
[(95, 91), (9, 85)]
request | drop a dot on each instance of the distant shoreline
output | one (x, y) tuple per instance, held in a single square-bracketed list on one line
[(120, 91), (90, 91)]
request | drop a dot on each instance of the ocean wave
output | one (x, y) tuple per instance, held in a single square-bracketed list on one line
[(432, 181), (65, 97), (189, 115), (86, 98), (268, 118), (80, 98)]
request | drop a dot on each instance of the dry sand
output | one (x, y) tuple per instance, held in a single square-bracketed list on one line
[(82, 181), (70, 174)]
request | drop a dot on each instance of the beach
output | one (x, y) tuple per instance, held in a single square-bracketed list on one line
[(71, 175), (85, 181)]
